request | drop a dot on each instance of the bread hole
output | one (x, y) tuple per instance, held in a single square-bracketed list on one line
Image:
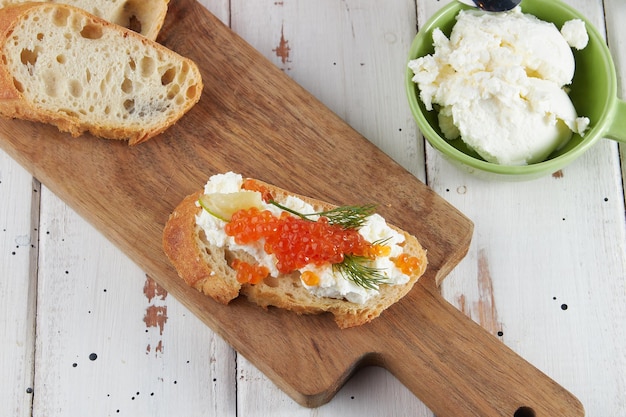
[(61, 59), (50, 83), (183, 71), (88, 75), (168, 76), (18, 85), (158, 107), (75, 23), (147, 66), (91, 109), (131, 64), (271, 281), (70, 113), (60, 16), (76, 88), (173, 91), (104, 82), (29, 57), (129, 106), (107, 110), (179, 100), (192, 91), (91, 31), (40, 36), (127, 86)]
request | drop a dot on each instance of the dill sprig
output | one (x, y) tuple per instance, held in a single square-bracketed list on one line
[(357, 269), (348, 217)]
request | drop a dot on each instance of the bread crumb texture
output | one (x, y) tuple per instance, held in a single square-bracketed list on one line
[(112, 81)]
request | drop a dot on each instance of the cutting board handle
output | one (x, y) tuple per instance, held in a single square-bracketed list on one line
[(466, 372)]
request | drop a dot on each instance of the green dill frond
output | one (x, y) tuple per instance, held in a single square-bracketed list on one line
[(348, 217), (358, 270)]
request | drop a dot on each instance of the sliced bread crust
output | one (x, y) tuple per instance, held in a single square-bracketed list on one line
[(63, 66), (206, 268), (143, 16)]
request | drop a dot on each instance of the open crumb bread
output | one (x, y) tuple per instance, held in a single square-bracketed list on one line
[(206, 268), (63, 66)]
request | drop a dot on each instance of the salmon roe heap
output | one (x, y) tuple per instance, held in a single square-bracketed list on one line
[(247, 273), (296, 242), (250, 225)]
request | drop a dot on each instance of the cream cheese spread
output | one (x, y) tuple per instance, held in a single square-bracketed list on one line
[(331, 284), (498, 84)]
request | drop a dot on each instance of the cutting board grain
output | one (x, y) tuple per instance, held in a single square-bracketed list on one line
[(255, 120)]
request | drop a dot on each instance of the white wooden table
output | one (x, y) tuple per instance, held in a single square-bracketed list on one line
[(86, 333)]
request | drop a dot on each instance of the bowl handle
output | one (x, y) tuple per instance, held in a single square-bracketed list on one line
[(617, 127)]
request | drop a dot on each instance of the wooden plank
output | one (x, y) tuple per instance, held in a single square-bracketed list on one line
[(127, 193), (96, 301), (19, 205)]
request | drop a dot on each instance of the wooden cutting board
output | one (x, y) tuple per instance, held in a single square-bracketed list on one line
[(261, 124)]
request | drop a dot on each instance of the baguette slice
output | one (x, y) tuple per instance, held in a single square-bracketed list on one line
[(142, 16), (64, 66), (207, 268)]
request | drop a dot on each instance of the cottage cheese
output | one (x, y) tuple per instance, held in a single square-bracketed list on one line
[(498, 84)]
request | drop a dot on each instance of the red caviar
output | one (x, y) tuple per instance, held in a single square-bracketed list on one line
[(310, 278), (407, 264), (375, 251), (294, 241), (252, 274), (251, 185)]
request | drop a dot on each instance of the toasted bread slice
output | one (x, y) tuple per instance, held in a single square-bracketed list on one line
[(143, 16), (64, 66), (207, 268)]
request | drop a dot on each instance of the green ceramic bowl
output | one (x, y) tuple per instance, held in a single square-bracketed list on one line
[(593, 92)]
